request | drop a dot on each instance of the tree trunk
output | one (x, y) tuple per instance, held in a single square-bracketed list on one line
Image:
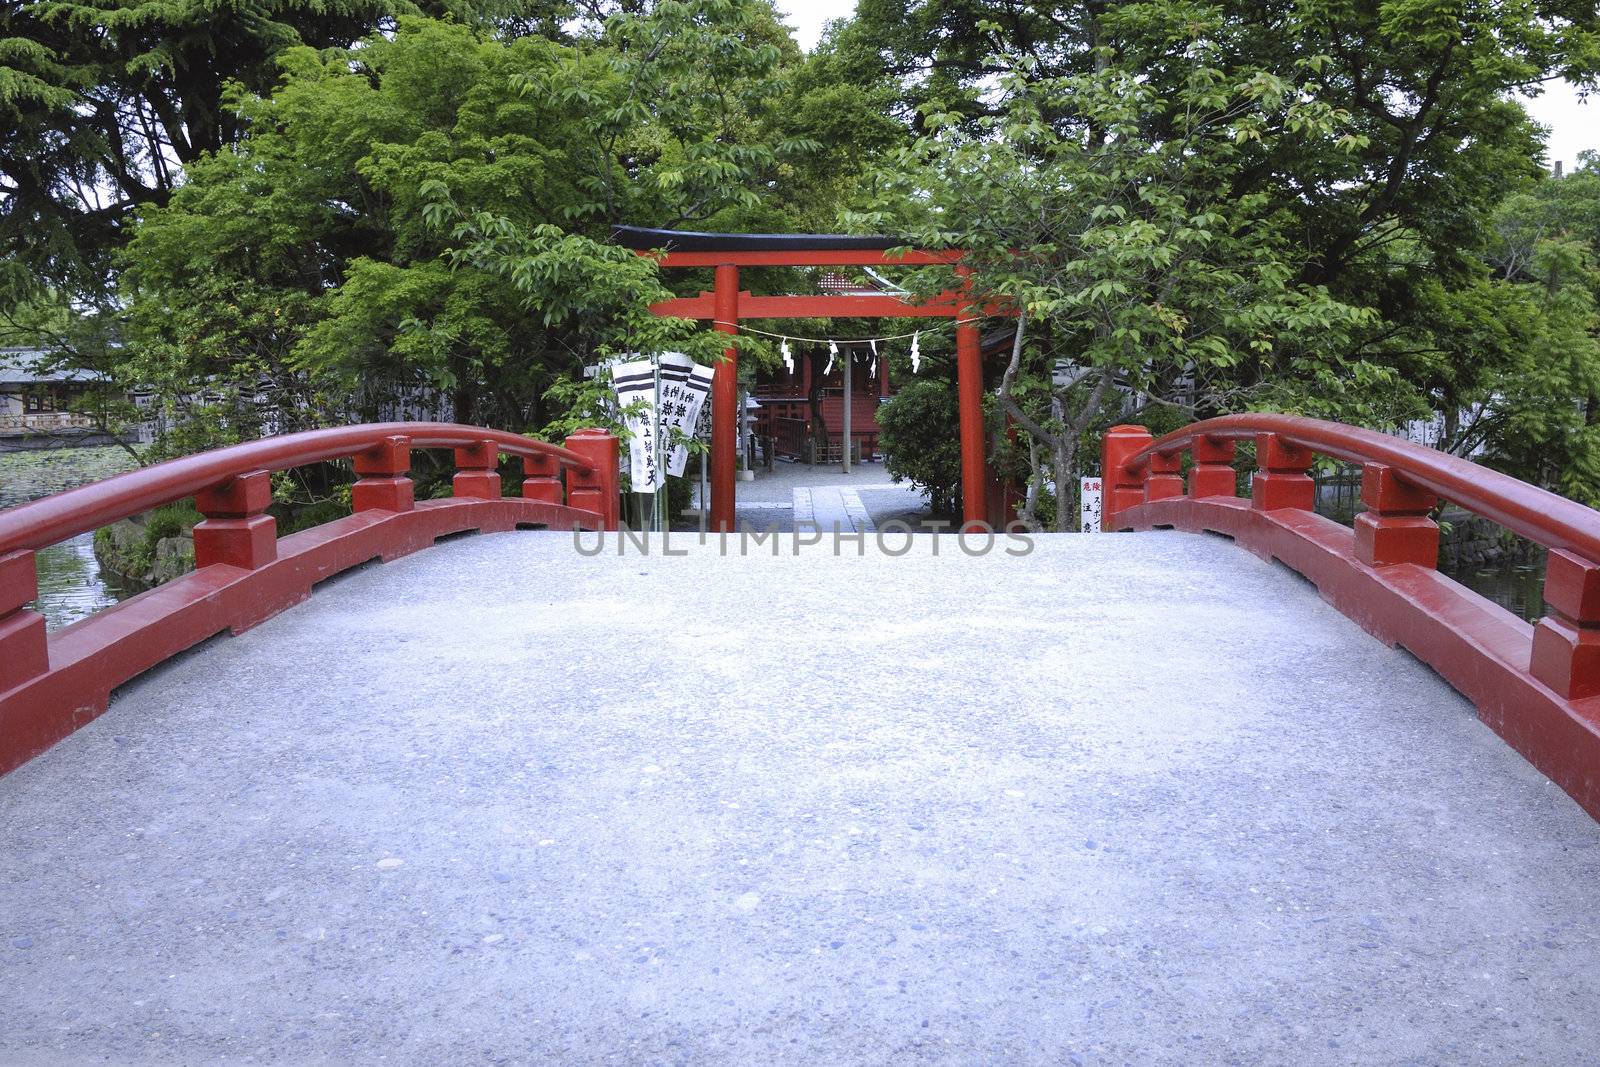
[(819, 429), (1066, 457), (1029, 515), (1067, 446), (465, 393)]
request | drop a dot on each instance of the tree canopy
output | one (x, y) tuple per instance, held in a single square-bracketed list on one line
[(431, 208), (277, 212), (1208, 207)]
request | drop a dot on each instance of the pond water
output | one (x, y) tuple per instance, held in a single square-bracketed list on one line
[(71, 586), (1516, 584)]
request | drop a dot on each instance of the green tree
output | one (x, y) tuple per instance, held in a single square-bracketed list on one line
[(1509, 362), (1547, 209), (105, 102), (1423, 83), (1106, 208), (919, 430), (1394, 218), (1544, 412), (396, 211)]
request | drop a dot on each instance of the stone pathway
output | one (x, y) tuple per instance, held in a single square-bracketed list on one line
[(797, 495), (832, 507)]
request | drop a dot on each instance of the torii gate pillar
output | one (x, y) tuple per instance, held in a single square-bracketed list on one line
[(725, 404), (969, 396)]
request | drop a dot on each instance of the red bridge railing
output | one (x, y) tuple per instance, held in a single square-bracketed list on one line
[(244, 573), (1537, 686)]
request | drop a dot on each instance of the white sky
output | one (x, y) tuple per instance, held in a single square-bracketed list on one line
[(1574, 125), (806, 17)]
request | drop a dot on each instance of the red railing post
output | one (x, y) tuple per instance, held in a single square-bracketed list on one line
[(1121, 488), (1396, 527), (236, 530), (1212, 473), (1280, 480), (595, 490), (24, 650), (1566, 643), (477, 475), (541, 479), (383, 485), (1164, 481)]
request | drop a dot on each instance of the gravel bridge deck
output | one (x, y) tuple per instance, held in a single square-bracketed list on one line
[(1135, 799)]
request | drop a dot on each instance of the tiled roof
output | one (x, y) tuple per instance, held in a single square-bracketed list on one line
[(20, 366)]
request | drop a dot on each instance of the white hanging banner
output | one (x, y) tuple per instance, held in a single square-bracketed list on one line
[(635, 385), (916, 352), (1089, 505), (685, 385)]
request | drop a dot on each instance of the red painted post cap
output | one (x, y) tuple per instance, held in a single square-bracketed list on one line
[(242, 495), (1385, 491), (1274, 453), (540, 466), (1572, 586), (389, 458), (19, 581), (1212, 450), (481, 456)]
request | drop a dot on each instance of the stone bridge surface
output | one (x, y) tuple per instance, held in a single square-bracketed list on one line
[(1134, 799)]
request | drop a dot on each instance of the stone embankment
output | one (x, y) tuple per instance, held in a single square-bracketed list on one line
[(148, 549), (1468, 540)]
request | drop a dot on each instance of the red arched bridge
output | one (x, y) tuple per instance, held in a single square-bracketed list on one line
[(243, 573), (1132, 799)]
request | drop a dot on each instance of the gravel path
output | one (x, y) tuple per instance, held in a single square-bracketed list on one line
[(1140, 799)]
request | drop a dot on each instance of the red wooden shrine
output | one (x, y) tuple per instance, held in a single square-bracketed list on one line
[(787, 415)]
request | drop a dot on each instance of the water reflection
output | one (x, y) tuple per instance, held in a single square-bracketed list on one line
[(71, 585), (1515, 586), (1516, 582)]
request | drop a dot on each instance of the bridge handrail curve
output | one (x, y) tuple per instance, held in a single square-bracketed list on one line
[(1538, 686), (52, 519), (1536, 514), (244, 573)]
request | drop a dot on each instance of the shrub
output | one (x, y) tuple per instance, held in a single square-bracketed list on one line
[(920, 433)]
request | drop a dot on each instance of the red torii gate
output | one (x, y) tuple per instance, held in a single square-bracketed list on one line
[(726, 305)]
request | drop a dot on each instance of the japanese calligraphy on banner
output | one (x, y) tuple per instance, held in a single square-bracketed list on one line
[(1089, 505), (635, 385), (684, 388)]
